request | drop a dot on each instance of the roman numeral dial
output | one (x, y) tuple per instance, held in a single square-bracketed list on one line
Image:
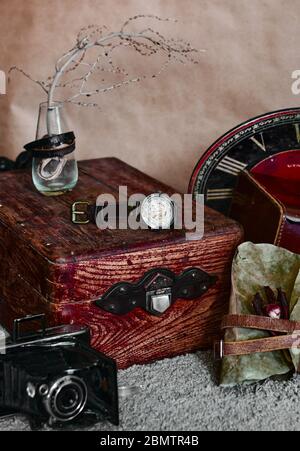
[(259, 141), (297, 129), (253, 144), (231, 166), (219, 194)]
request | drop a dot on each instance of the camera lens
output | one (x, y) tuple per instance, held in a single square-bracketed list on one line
[(66, 399)]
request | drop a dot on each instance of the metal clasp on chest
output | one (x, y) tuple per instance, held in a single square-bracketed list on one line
[(156, 291)]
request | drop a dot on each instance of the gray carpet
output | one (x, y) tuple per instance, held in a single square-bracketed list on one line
[(181, 395)]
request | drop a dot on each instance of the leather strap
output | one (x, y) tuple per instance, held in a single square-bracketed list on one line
[(260, 323), (85, 212), (261, 345), (52, 146)]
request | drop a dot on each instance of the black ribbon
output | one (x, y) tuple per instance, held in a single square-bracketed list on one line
[(52, 146)]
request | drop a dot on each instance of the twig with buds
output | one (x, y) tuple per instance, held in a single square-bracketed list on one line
[(81, 71), (146, 42)]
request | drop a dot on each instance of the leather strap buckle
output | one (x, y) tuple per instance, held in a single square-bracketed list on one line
[(219, 350), (84, 213)]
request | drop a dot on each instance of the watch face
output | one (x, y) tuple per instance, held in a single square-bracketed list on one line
[(247, 147), (157, 211)]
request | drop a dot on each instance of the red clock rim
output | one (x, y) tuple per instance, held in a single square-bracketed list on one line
[(229, 134)]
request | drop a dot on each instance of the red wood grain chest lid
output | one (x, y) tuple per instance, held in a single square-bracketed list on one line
[(49, 264)]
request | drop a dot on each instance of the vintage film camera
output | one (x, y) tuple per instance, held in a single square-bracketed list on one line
[(54, 377)]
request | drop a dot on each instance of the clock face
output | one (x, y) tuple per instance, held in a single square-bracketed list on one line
[(245, 147), (157, 211)]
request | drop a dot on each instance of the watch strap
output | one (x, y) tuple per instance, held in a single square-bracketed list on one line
[(94, 210), (84, 213)]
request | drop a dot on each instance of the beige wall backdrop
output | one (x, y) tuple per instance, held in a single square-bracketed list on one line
[(161, 126)]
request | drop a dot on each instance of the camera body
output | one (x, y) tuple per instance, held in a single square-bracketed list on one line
[(53, 376)]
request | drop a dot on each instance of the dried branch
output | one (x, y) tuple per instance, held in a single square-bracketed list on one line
[(146, 42), (42, 84)]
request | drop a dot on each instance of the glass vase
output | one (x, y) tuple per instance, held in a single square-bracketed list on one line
[(57, 175)]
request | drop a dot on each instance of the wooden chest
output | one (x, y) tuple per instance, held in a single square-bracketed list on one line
[(50, 265)]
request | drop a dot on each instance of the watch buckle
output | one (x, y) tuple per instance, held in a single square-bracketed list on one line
[(76, 213)]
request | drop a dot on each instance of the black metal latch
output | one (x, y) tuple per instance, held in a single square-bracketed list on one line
[(156, 291)]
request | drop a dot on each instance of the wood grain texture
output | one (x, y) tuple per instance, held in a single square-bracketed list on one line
[(51, 265)]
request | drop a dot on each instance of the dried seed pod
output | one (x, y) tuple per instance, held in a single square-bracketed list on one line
[(270, 295), (258, 305), (283, 302)]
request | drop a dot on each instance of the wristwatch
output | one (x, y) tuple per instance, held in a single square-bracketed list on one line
[(157, 211)]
